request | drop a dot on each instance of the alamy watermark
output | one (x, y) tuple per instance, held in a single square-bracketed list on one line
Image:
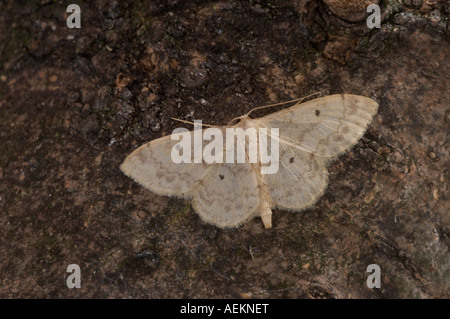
[(373, 20), (74, 279), (247, 145), (374, 280), (74, 20)]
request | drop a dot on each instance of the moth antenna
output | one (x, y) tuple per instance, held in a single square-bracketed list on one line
[(188, 122), (281, 103)]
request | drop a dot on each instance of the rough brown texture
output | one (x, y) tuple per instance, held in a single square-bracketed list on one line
[(350, 10), (74, 103)]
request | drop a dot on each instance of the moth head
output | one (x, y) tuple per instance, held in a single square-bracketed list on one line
[(238, 120)]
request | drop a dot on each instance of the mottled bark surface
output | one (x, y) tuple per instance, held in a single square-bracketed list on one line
[(75, 102)]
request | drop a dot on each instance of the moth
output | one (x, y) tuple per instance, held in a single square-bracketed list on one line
[(310, 135)]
